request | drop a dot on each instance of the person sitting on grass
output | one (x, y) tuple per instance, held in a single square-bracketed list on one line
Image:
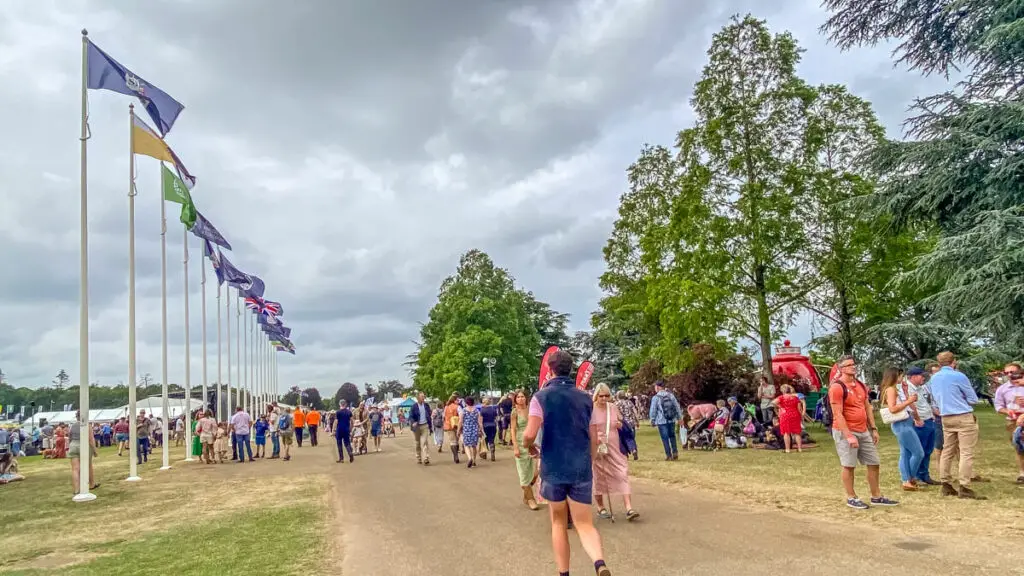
[(9, 469)]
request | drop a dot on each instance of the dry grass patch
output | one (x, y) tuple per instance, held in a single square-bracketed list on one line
[(41, 521)]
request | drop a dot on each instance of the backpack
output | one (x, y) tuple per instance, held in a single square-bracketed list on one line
[(827, 417), (668, 407), (283, 423)]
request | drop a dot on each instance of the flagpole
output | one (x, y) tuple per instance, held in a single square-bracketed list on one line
[(85, 430), (227, 320), (163, 330), (246, 376), (238, 347), (202, 284), (220, 373), (188, 354), (133, 440)]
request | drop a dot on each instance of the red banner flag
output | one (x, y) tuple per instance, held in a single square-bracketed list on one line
[(584, 374), (545, 372)]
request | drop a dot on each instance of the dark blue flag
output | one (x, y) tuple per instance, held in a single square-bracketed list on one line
[(210, 252), (203, 229), (105, 73), (246, 284)]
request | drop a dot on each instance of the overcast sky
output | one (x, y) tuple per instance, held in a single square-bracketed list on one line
[(350, 150)]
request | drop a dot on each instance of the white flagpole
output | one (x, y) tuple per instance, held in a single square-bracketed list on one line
[(163, 330), (220, 374), (238, 347), (188, 355), (133, 439), (85, 429), (227, 320), (246, 379), (202, 284)]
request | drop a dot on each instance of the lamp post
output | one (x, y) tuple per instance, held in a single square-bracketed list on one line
[(490, 363)]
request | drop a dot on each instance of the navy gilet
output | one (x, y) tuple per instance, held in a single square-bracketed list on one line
[(565, 447)]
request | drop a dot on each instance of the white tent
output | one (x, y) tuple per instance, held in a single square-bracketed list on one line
[(152, 405)]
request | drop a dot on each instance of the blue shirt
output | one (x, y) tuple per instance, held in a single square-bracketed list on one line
[(657, 415), (261, 428), (489, 415), (342, 422), (952, 392), (565, 452)]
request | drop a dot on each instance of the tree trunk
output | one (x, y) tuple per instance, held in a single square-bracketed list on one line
[(844, 321), (764, 323)]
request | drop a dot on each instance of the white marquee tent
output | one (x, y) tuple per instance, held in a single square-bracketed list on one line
[(152, 405)]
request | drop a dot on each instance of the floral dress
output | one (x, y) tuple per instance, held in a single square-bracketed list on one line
[(470, 427)]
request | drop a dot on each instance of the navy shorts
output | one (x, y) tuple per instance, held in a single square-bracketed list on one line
[(1018, 440), (581, 492)]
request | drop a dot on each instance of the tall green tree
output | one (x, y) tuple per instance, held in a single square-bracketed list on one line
[(961, 167), (735, 228), (551, 324), (393, 387), (348, 392), (604, 353), (60, 381), (479, 314)]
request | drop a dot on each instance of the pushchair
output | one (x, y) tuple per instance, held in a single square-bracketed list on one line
[(701, 435)]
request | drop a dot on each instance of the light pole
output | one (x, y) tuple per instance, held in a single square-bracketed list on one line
[(490, 362)]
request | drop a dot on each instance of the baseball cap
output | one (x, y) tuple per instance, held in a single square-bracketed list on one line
[(916, 371)]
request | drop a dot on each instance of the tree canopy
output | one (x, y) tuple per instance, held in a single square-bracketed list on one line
[(479, 314)]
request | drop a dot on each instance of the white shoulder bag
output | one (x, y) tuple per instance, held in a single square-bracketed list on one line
[(602, 448), (889, 418)]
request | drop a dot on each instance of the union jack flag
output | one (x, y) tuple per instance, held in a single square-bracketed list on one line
[(263, 306)]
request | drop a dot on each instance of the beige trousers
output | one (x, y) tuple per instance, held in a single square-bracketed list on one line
[(959, 435)]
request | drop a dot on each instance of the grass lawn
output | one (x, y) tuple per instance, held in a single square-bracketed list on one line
[(193, 519), (809, 482)]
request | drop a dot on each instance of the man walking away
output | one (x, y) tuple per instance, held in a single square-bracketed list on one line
[(852, 418), (241, 423), (955, 398), (286, 428), (563, 413), (275, 437), (343, 432), (422, 427), (313, 423), (299, 421), (665, 412)]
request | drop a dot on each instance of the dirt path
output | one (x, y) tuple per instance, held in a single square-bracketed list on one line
[(390, 513)]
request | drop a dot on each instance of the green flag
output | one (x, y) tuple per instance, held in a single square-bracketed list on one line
[(176, 191)]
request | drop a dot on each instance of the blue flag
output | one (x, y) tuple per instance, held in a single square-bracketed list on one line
[(203, 229), (246, 284), (210, 252), (105, 73)]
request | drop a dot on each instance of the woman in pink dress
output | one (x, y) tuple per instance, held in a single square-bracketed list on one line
[(611, 468)]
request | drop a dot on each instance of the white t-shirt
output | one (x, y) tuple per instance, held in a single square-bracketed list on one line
[(242, 423)]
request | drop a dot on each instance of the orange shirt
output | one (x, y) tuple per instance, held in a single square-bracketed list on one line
[(450, 411), (313, 418), (299, 418), (853, 410)]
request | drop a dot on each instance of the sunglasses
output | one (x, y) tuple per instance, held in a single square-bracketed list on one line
[(604, 395), (1015, 375), (849, 365)]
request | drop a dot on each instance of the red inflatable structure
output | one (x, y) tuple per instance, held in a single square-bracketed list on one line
[(790, 361)]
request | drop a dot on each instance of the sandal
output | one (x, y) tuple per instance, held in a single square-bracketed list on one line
[(604, 513), (632, 515), (94, 486)]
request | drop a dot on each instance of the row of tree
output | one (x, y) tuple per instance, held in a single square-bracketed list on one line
[(785, 198)]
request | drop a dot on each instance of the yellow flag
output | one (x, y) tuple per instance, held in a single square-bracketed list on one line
[(145, 141)]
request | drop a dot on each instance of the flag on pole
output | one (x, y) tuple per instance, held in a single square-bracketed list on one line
[(203, 229), (214, 256), (263, 307), (105, 73), (148, 143), (247, 284), (176, 191)]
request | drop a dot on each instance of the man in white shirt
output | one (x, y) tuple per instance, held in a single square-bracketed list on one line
[(241, 424), (275, 438)]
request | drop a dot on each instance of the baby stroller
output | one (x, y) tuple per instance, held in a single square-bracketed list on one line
[(701, 435)]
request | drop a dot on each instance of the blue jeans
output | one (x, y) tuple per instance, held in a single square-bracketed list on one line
[(911, 452), (275, 440), (143, 450), (242, 442), (668, 438), (926, 434)]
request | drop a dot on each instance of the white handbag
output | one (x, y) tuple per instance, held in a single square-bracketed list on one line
[(889, 418)]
